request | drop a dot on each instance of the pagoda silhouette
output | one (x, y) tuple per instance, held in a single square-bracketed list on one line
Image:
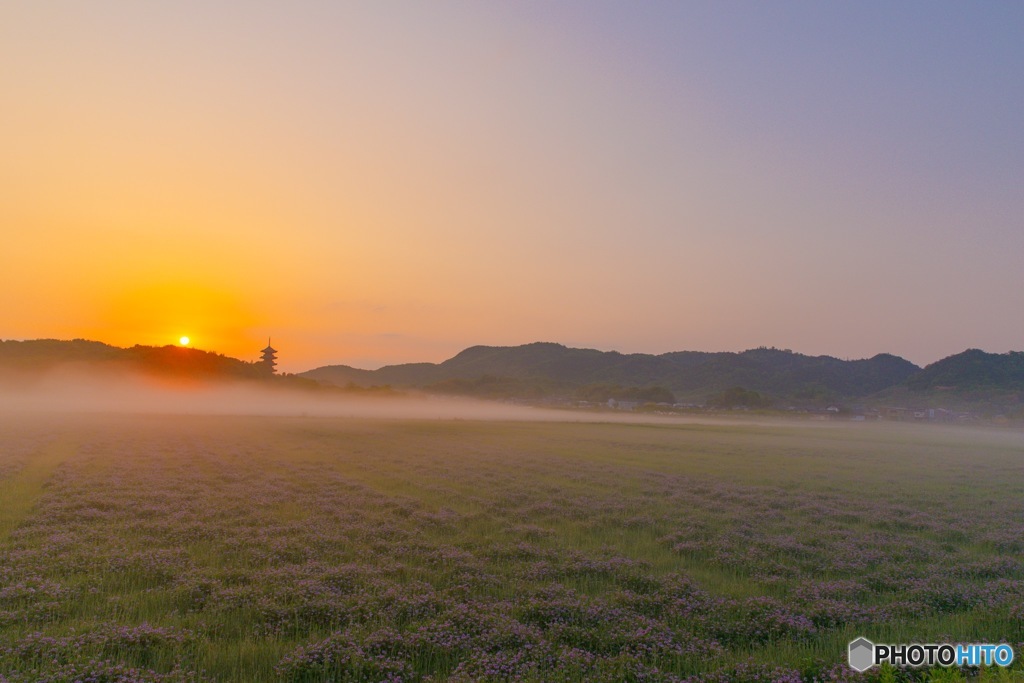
[(269, 358)]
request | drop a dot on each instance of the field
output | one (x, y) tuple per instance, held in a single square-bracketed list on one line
[(181, 548)]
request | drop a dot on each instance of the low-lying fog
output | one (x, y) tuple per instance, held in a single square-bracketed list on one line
[(77, 391)]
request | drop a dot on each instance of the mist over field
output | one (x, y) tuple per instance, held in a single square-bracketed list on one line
[(84, 392), (72, 390)]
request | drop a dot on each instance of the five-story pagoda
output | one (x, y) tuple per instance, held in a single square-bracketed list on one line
[(269, 358)]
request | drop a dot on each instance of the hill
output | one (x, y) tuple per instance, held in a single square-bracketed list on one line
[(541, 370), (988, 383), (547, 369), (972, 370), (23, 360)]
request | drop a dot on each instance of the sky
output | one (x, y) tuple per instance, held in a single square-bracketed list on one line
[(382, 182)]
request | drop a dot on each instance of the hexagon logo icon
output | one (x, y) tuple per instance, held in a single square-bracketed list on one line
[(862, 654)]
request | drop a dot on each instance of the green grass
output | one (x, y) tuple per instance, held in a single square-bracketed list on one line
[(21, 492), (241, 540)]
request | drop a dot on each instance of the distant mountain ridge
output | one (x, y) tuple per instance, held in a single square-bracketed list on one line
[(546, 367)]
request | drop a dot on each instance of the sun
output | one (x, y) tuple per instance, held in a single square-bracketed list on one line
[(184, 341)]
